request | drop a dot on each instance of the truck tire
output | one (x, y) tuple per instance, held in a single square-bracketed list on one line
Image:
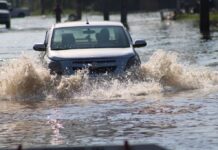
[(8, 25)]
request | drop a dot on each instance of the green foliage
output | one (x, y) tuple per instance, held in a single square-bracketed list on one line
[(214, 16), (188, 17), (195, 17)]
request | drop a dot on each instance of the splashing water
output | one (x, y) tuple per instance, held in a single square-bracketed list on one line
[(24, 78), (164, 67)]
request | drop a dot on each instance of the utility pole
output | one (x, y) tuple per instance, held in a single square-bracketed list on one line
[(204, 18), (106, 5), (124, 9)]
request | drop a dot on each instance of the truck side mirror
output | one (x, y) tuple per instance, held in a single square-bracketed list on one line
[(39, 47), (139, 43)]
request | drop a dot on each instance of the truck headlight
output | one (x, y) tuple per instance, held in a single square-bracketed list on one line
[(132, 62), (55, 67)]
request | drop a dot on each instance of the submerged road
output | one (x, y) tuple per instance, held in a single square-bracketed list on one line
[(174, 104)]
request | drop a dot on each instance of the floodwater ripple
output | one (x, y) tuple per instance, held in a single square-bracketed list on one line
[(171, 100)]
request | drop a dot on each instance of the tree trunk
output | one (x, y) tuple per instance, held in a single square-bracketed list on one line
[(79, 9), (17, 4), (106, 8), (124, 8), (204, 18), (42, 4)]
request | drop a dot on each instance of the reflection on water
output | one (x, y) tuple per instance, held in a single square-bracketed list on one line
[(171, 100), (56, 138)]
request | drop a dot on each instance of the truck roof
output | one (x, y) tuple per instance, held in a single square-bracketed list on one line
[(84, 23)]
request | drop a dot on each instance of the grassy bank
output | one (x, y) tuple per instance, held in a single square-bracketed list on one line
[(213, 17), (196, 18), (187, 17)]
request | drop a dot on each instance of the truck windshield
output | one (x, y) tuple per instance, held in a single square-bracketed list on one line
[(3, 6), (89, 37)]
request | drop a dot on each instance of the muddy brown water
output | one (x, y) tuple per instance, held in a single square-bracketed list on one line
[(172, 101)]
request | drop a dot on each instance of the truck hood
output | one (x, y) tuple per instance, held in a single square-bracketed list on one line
[(89, 53), (2, 11)]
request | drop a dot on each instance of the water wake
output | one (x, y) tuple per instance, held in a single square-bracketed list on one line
[(25, 78)]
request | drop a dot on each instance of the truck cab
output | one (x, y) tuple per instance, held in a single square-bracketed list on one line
[(5, 14)]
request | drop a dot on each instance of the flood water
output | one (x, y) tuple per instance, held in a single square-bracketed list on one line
[(171, 101)]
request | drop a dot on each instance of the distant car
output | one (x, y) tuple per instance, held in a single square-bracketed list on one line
[(19, 12), (5, 14), (101, 47)]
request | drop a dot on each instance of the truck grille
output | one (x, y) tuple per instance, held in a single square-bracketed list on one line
[(98, 70), (93, 60), (95, 65)]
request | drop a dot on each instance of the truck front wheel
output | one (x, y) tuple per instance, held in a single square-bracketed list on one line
[(8, 25)]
